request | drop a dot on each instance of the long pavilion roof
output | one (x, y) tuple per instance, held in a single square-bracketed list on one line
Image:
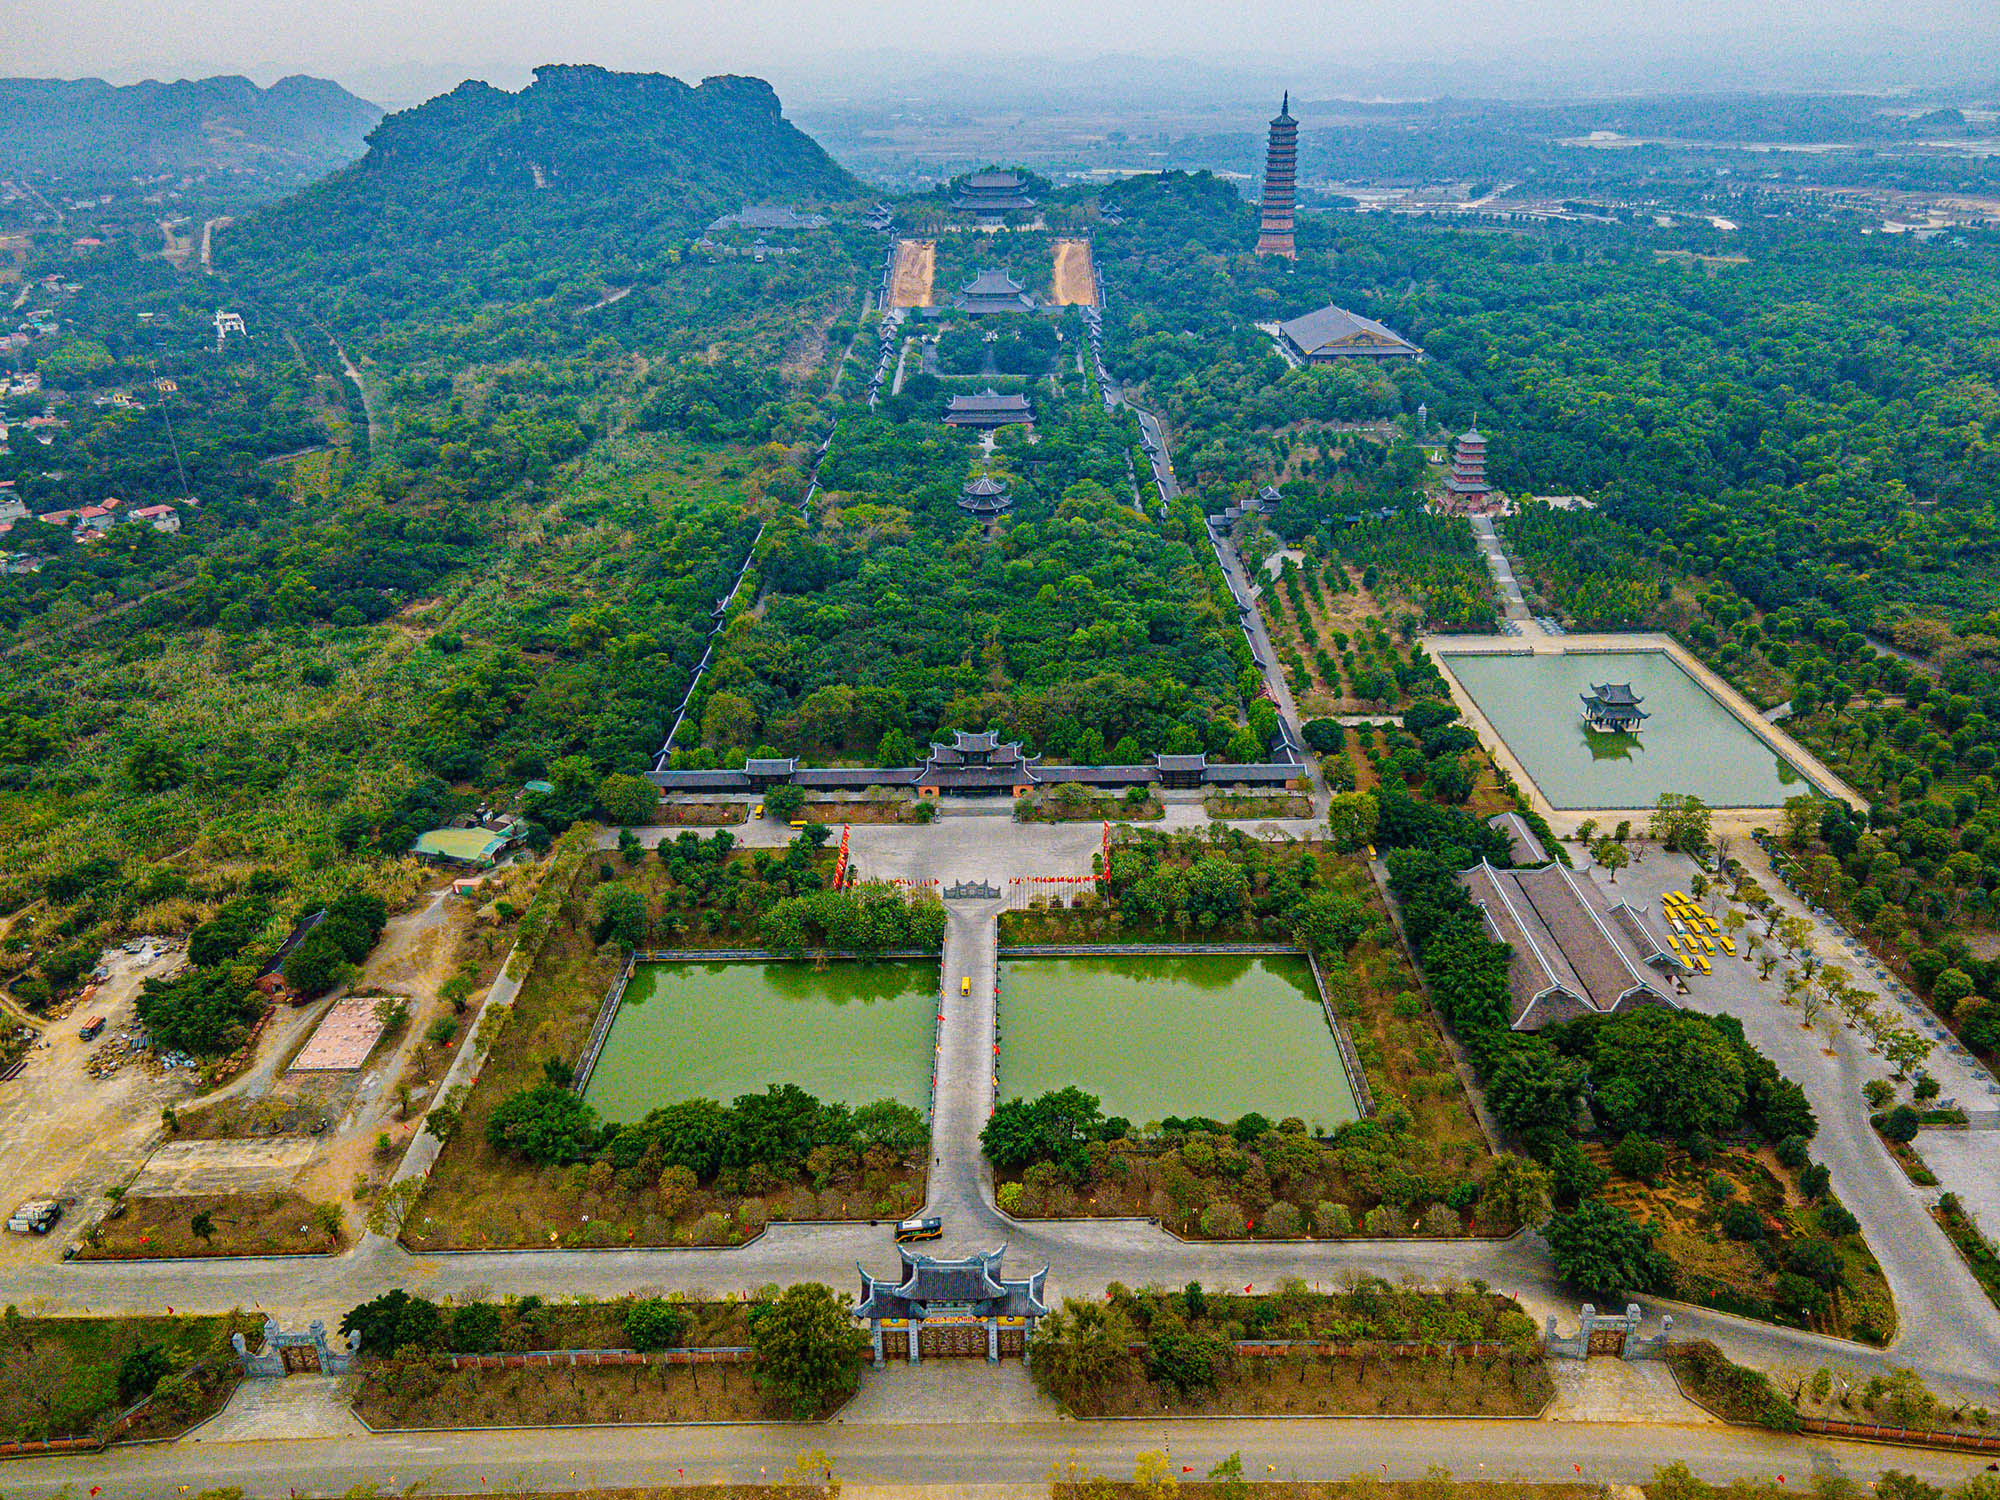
[(990, 401), (1334, 330), (993, 283), (1574, 952)]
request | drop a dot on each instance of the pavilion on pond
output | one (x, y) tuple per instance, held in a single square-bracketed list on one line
[(1613, 708)]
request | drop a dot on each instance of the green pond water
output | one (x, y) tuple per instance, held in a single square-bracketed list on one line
[(852, 1032), (1170, 1035), (1690, 744)]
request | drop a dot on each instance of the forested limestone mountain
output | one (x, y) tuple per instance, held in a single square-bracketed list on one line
[(493, 196), (299, 127)]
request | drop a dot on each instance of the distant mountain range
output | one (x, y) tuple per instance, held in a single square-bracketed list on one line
[(298, 127), (583, 168)]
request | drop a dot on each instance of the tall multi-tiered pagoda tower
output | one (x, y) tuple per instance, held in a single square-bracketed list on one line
[(1467, 485), (1281, 175)]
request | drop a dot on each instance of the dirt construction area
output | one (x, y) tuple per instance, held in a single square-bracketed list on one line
[(319, 1135), (66, 1135), (1075, 280), (916, 265)]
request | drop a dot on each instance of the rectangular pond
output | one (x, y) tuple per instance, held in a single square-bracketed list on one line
[(1174, 1034), (1690, 743), (853, 1032)]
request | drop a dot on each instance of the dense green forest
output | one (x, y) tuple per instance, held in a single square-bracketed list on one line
[(1813, 420), (495, 557), (489, 223)]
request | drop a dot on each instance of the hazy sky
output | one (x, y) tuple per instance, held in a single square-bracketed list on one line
[(803, 43)]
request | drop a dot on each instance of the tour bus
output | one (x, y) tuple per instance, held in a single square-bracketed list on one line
[(911, 1231)]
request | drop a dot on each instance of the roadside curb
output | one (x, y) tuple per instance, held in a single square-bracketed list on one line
[(826, 1421), (1856, 1432)]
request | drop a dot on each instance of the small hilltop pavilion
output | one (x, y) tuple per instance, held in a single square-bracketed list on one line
[(950, 1307), (985, 496), (1613, 708)]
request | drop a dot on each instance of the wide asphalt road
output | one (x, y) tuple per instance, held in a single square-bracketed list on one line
[(968, 1458)]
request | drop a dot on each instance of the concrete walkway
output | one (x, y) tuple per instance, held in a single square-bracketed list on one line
[(948, 1392), (1620, 1390), (1500, 566), (298, 1406), (1000, 1462), (960, 1185), (1944, 1322)]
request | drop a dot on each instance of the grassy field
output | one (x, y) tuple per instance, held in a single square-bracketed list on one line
[(61, 1377), (239, 1224), (1729, 1274), (1980, 1256), (1243, 808)]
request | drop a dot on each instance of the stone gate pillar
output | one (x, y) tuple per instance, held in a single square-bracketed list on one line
[(916, 1340)]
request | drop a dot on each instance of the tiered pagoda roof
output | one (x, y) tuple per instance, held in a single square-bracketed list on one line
[(988, 409), (994, 291), (993, 192), (985, 496), (970, 1286), (1281, 167), (1468, 469), (1613, 706)]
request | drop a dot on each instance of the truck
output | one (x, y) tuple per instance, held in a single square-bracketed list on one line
[(38, 1216), (89, 1029)]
